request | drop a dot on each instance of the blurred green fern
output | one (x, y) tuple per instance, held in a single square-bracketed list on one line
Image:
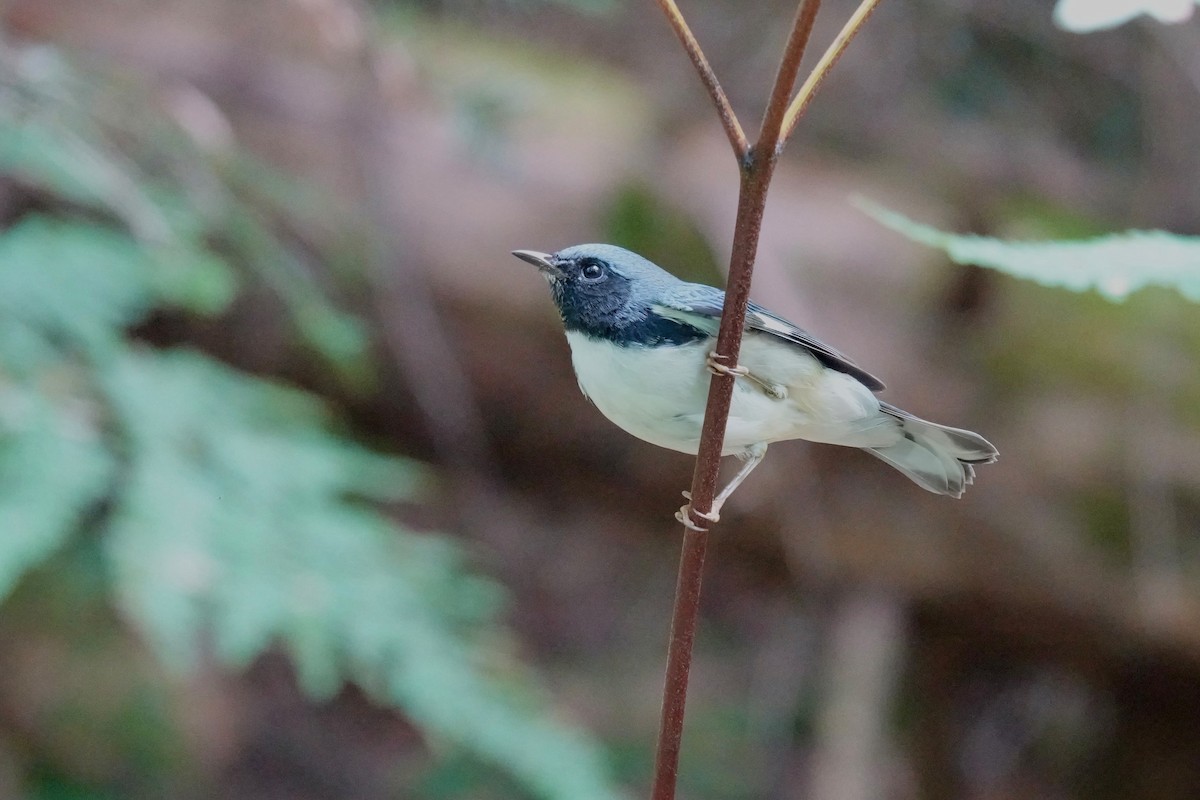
[(59, 143), (232, 518)]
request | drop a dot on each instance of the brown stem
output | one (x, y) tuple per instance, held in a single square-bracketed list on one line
[(751, 202), (733, 128), (757, 165), (679, 663), (813, 82), (785, 78)]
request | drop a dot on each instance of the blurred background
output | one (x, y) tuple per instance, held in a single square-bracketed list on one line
[(299, 498)]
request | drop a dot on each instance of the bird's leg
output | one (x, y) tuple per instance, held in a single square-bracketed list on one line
[(714, 365), (752, 457)]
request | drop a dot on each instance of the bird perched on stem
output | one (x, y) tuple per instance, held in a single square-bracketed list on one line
[(642, 345)]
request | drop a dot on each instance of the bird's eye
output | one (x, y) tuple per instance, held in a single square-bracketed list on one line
[(592, 271)]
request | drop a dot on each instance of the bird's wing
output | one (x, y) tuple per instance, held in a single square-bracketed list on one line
[(701, 306)]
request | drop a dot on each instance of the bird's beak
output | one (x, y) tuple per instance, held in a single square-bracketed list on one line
[(543, 261)]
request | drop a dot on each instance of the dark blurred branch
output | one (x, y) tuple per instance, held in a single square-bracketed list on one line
[(414, 333), (733, 128), (809, 88)]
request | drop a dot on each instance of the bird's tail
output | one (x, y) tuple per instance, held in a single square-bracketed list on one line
[(936, 457)]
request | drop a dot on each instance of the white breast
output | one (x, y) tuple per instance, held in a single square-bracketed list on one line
[(658, 394), (655, 393)]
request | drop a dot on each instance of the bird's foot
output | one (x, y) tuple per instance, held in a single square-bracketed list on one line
[(684, 514), (714, 365)]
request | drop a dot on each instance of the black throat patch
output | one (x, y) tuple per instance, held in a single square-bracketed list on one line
[(611, 319)]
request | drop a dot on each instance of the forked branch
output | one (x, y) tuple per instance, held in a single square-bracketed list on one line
[(757, 163), (770, 134)]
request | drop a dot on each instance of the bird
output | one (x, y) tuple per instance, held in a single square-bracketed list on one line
[(642, 345)]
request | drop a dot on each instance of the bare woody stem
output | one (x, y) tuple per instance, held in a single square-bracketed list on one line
[(757, 166), (808, 89), (770, 134), (733, 128)]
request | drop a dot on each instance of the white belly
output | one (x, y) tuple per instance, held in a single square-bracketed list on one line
[(659, 395)]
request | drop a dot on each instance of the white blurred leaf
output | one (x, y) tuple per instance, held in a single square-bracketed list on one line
[(1086, 16), (1115, 265)]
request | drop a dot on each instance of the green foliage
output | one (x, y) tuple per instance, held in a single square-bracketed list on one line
[(230, 515), (66, 289), (50, 786), (271, 539), (113, 154), (84, 282), (1115, 266), (638, 219), (52, 469)]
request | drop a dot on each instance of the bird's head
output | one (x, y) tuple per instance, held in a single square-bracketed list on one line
[(600, 289)]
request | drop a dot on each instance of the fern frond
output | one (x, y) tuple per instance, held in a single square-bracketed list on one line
[(81, 283), (53, 468), (243, 524)]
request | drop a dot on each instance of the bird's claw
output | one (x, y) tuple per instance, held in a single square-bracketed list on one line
[(714, 365), (711, 515), (684, 514)]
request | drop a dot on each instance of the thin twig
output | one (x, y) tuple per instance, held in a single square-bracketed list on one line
[(769, 134), (733, 128), (809, 88), (758, 165)]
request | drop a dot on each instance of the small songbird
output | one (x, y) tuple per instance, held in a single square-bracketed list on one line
[(642, 345)]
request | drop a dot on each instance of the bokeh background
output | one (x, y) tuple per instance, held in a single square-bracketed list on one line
[(299, 498)]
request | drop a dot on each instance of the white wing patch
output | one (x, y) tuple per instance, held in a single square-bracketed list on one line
[(685, 315)]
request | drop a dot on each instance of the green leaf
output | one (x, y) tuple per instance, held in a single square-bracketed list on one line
[(75, 280), (244, 523), (337, 336), (86, 282), (38, 153), (187, 275), (53, 468), (1115, 265)]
